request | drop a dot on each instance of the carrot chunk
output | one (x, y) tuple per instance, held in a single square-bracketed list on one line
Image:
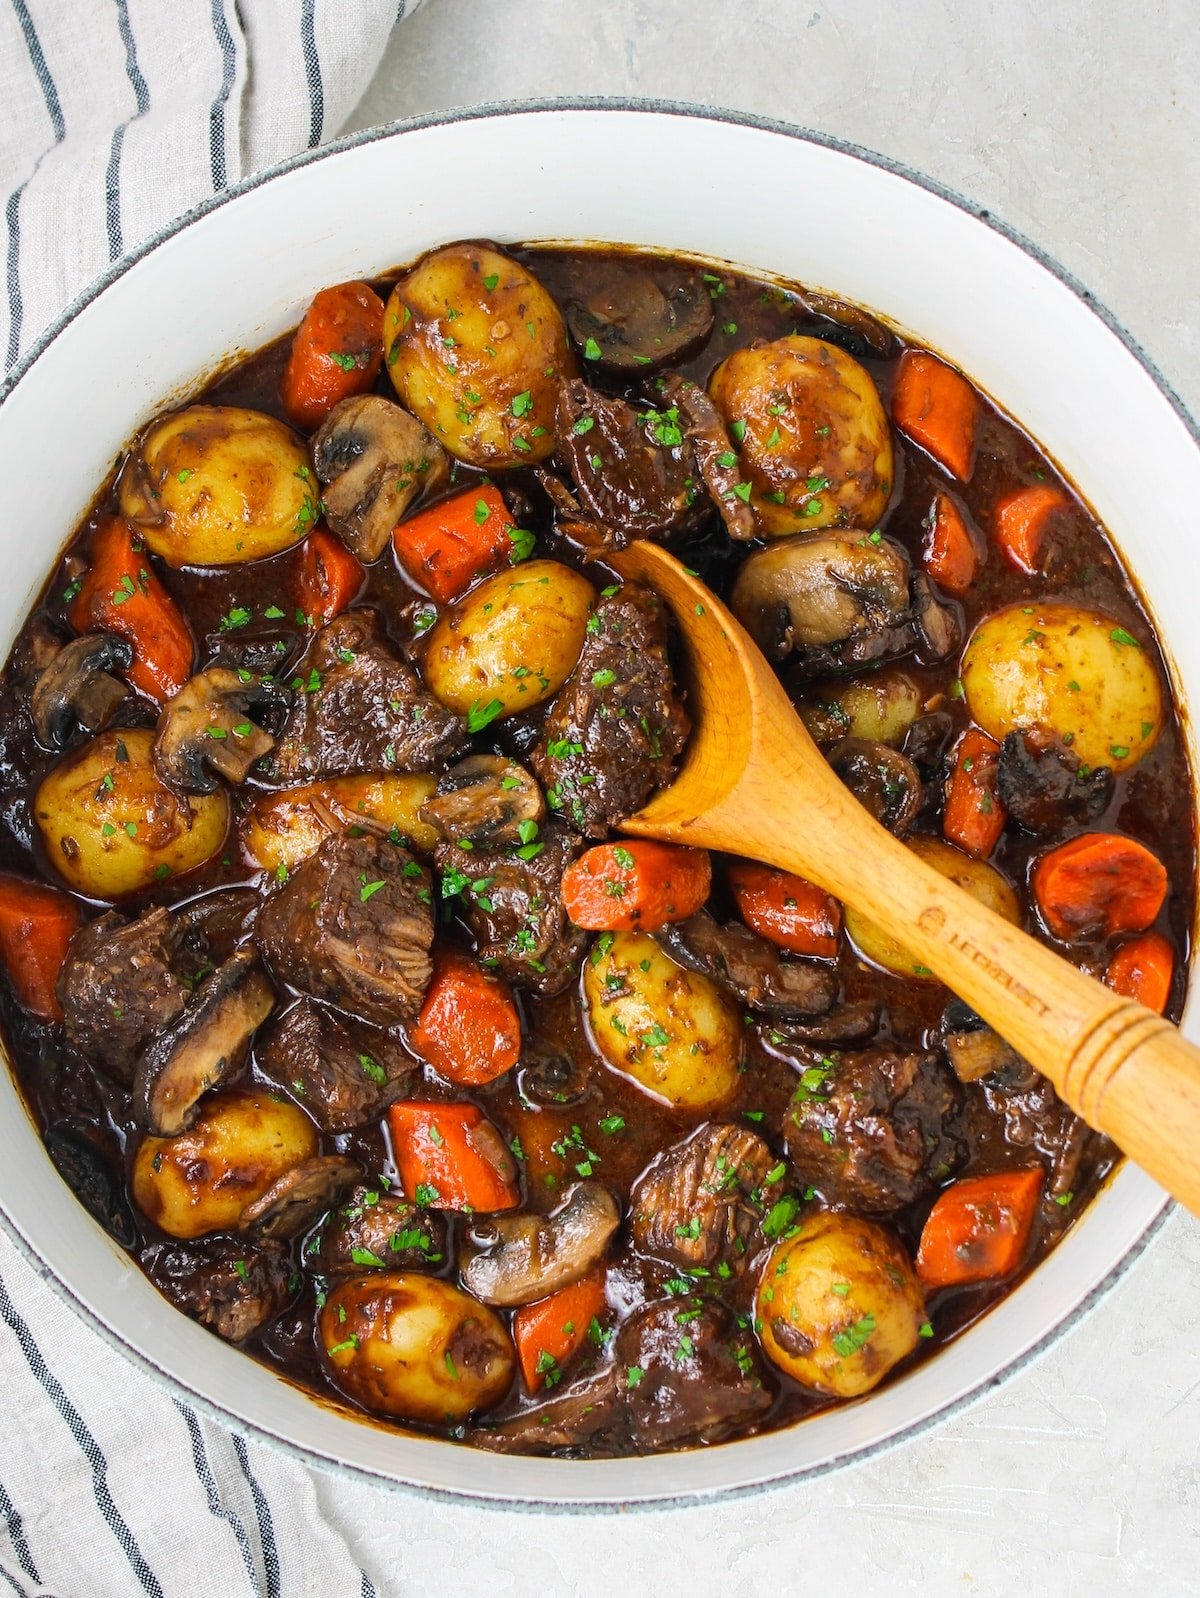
[(121, 594), (938, 409), (337, 352), (974, 816), (468, 1028), (626, 887), (445, 548), (1021, 520), (329, 578), (979, 1228), (551, 1332), (953, 556), (786, 910), (36, 924), (1143, 969), (451, 1157), (1100, 882)]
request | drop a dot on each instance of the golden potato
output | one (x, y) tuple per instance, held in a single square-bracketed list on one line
[(510, 643), (981, 881), (284, 828), (671, 1030), (414, 1347), (214, 485), (476, 349), (110, 827), (202, 1180), (880, 707), (838, 1305), (1066, 670), (816, 449)]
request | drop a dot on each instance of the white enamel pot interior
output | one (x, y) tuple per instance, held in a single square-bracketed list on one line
[(242, 270)]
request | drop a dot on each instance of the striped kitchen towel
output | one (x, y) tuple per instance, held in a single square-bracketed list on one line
[(115, 116)]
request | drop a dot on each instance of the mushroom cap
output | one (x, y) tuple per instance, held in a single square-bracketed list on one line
[(295, 1199), (374, 460), (77, 688)]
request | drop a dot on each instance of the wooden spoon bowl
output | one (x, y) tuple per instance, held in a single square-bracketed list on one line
[(753, 783)]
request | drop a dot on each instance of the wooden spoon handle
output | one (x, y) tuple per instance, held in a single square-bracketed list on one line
[(1128, 1072)]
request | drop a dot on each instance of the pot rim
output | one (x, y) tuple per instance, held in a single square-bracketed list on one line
[(301, 1453)]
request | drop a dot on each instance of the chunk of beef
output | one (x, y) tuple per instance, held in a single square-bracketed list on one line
[(361, 708), (93, 1178), (873, 1129), (1041, 785), (701, 1201), (614, 729), (232, 1287), (633, 470), (715, 455), (343, 1072), (683, 1372), (514, 908), (373, 1230), (1036, 1118), (353, 926), (750, 967), (124, 982)]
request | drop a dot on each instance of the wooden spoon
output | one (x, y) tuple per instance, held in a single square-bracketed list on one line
[(754, 783)]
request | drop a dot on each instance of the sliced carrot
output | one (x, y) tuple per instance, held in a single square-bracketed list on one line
[(451, 1157), (979, 1228), (974, 816), (1099, 882), (1143, 969), (938, 409), (786, 910), (1021, 520), (551, 1332), (121, 594), (337, 352), (623, 887), (446, 547), (36, 924), (329, 578), (468, 1028), (953, 554)]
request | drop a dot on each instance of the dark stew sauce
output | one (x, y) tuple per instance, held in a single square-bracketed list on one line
[(846, 1099)]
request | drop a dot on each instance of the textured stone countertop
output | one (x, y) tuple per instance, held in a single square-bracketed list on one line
[(1080, 126)]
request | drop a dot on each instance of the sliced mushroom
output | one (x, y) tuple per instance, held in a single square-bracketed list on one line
[(804, 593), (488, 800), (204, 1046), (77, 688), (853, 1022), (526, 1257), (938, 629), (978, 1053), (639, 314), (858, 332), (633, 469), (374, 460), (293, 1202), (207, 728), (884, 781), (715, 454), (750, 966)]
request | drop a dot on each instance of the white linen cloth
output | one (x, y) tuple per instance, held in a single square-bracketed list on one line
[(115, 116)]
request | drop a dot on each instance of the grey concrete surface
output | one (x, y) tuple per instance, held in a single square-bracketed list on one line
[(1078, 124)]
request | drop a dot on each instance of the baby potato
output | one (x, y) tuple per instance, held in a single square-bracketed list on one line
[(414, 1347), (880, 707), (1067, 670), (817, 450), (839, 1304), (476, 349), (215, 485), (202, 1180), (284, 828), (671, 1030), (511, 643), (981, 881), (110, 827)]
